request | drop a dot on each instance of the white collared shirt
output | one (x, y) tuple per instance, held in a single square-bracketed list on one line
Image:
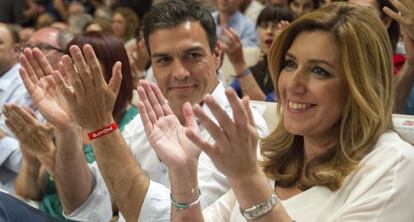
[(380, 190), (12, 90), (157, 205)]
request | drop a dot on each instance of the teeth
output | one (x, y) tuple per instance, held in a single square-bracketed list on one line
[(298, 106)]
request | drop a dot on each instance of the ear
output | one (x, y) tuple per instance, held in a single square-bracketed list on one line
[(16, 50), (218, 54)]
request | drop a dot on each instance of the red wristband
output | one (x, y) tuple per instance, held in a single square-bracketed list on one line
[(102, 132)]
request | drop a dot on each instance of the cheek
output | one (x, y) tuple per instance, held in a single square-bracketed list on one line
[(281, 83)]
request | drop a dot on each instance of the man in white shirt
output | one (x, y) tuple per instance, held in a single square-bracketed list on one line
[(52, 42), (185, 57), (181, 38), (11, 91)]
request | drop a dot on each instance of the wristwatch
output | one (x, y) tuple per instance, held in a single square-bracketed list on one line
[(260, 209)]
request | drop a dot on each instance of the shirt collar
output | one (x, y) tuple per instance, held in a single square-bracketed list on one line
[(219, 96)]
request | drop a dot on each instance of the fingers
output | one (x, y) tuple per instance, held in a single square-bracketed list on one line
[(82, 75), (145, 101), (248, 110), (116, 79), (161, 99), (239, 114), (146, 121), (215, 131), (43, 62), (24, 61), (18, 118), (205, 146), (225, 122), (64, 88), (28, 53), (94, 66), (394, 15), (28, 83), (74, 79), (189, 117)]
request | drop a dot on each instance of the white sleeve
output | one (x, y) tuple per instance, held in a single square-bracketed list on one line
[(157, 205), (387, 193), (98, 206), (221, 210)]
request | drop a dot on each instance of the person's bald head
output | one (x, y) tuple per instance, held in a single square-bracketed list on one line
[(52, 42)]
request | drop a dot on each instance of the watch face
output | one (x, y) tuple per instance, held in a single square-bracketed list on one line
[(258, 210)]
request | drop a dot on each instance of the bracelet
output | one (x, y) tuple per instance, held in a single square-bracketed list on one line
[(243, 73), (183, 206), (102, 132), (260, 209)]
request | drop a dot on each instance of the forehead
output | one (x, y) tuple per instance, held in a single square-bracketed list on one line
[(178, 38), (316, 45), (44, 36), (5, 35)]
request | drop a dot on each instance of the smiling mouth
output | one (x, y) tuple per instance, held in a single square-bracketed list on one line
[(299, 107), (181, 87)]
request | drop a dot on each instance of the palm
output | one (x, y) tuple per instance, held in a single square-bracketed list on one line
[(172, 145), (45, 98)]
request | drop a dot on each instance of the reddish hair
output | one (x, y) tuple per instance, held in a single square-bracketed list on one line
[(109, 49)]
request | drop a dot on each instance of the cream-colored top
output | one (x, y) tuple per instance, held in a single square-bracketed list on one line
[(381, 190)]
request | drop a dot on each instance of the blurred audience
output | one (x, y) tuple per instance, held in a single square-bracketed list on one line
[(228, 15)]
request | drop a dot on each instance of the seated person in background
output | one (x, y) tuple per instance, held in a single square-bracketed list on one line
[(181, 38), (34, 180), (11, 91), (124, 24), (256, 81), (334, 145), (251, 9), (302, 7), (229, 15)]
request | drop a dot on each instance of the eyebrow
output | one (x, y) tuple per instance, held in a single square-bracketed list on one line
[(317, 61), (189, 50)]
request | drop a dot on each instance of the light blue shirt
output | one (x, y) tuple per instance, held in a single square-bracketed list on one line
[(12, 90), (243, 26)]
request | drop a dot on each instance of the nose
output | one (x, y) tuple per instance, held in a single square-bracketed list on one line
[(179, 71), (298, 81)]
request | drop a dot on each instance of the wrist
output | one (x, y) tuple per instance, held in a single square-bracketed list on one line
[(102, 130), (99, 125), (239, 67), (183, 182), (251, 186), (69, 126)]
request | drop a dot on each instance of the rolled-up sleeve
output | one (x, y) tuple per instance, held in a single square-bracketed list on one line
[(156, 206), (98, 206)]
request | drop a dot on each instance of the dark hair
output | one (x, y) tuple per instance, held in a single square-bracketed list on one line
[(109, 49), (274, 13), (316, 3), (171, 13), (394, 29)]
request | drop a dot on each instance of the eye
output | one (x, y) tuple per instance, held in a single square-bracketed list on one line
[(320, 72), (163, 60), (194, 55), (289, 64)]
